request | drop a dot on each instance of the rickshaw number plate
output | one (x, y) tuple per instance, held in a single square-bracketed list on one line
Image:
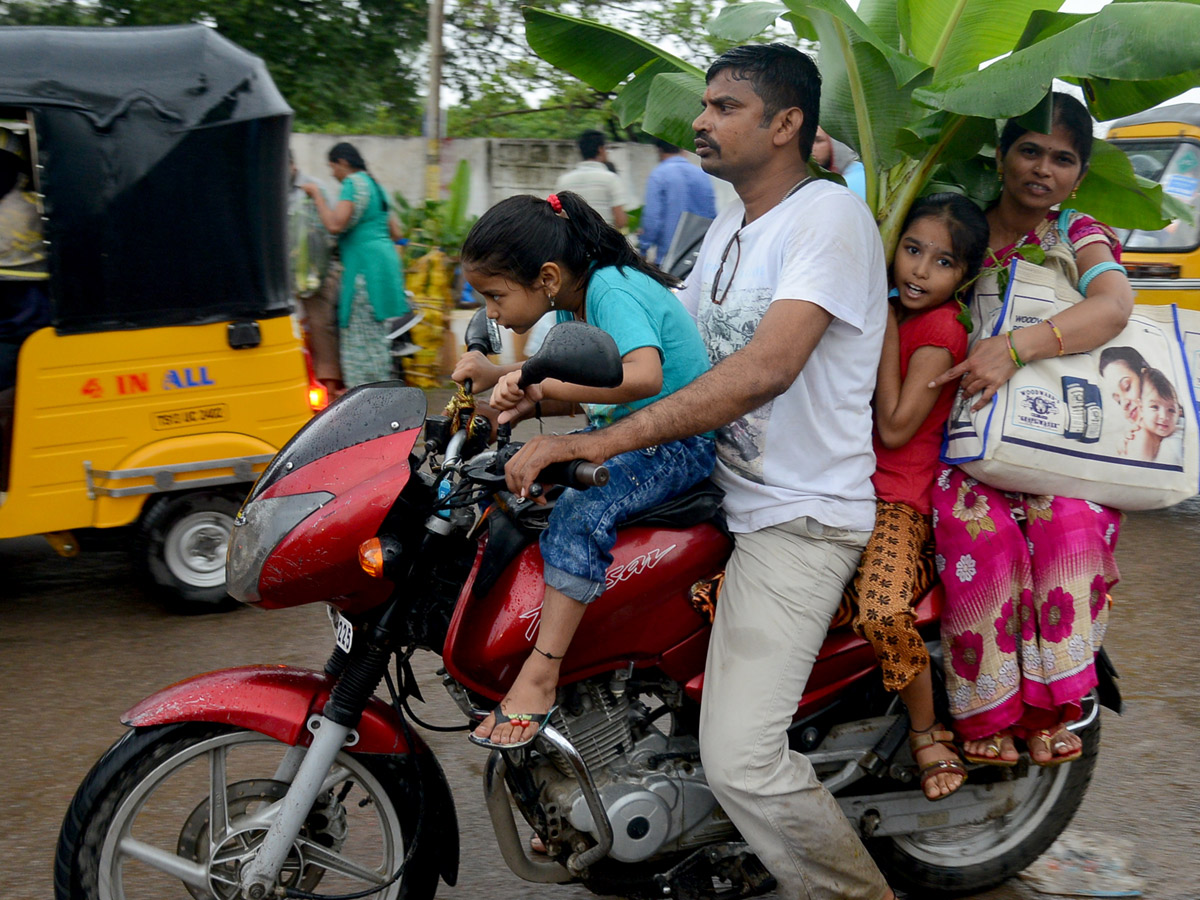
[(343, 631), (182, 418)]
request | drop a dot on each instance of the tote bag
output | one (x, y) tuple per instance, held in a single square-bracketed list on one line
[(1063, 426)]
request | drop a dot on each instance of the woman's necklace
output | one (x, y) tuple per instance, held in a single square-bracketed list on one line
[(996, 262)]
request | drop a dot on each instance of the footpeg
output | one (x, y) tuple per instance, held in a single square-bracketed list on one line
[(735, 863)]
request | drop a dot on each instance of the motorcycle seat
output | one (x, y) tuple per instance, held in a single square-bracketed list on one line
[(506, 537), (699, 503)]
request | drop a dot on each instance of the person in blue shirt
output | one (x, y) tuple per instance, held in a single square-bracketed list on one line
[(841, 160), (526, 257), (673, 188)]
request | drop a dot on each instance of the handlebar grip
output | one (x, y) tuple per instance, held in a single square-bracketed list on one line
[(590, 474), (576, 473)]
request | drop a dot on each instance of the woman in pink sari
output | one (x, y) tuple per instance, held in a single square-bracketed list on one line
[(1027, 577)]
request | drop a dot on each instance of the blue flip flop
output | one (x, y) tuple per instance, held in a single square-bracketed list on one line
[(527, 719)]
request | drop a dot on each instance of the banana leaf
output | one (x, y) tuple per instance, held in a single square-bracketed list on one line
[(598, 54), (956, 36), (902, 84), (1149, 42)]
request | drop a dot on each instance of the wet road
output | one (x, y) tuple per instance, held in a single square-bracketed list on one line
[(78, 645)]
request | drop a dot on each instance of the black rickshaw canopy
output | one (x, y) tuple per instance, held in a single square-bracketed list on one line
[(162, 157)]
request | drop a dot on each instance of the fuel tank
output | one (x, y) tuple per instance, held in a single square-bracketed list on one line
[(643, 617)]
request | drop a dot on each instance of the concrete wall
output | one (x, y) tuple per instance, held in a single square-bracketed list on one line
[(500, 167)]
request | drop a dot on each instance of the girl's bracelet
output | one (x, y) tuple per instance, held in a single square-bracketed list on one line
[(1012, 351), (1057, 335)]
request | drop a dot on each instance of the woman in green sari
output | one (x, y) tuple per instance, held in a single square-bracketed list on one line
[(372, 280)]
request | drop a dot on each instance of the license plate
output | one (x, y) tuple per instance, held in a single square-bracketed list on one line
[(343, 631)]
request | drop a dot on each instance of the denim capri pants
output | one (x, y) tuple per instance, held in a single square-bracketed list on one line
[(577, 543)]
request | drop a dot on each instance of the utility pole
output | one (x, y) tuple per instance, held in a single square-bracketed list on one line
[(433, 107)]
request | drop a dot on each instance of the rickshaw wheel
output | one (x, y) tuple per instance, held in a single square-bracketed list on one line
[(181, 550)]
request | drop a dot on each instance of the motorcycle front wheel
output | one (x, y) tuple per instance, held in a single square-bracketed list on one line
[(973, 858), (178, 810)]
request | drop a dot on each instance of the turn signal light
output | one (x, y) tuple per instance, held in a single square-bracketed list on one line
[(318, 397), (318, 394), (370, 557)]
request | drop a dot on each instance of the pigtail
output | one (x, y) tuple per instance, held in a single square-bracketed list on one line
[(520, 233), (600, 243)]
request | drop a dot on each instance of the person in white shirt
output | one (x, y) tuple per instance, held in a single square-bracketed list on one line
[(595, 182), (790, 295)]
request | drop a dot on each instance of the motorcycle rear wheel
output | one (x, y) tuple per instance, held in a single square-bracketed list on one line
[(970, 859), (140, 825)]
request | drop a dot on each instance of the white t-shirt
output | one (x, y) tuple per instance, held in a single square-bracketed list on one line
[(593, 181), (808, 451)]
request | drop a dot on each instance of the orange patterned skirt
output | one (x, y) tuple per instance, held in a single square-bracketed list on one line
[(895, 572)]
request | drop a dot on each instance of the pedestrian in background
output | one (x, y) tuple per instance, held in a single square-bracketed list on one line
[(840, 159), (316, 279), (673, 188), (595, 182), (372, 282)]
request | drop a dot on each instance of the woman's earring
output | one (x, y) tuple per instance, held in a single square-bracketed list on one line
[(1073, 195), (550, 297)]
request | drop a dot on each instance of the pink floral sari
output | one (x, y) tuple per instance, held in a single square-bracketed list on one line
[(1027, 581)]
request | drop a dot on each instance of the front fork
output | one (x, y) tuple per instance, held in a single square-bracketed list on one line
[(332, 730)]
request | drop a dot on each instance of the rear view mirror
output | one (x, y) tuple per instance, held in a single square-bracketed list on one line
[(483, 334), (578, 353)]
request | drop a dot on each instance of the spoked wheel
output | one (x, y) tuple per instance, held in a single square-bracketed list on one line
[(967, 859), (180, 810)]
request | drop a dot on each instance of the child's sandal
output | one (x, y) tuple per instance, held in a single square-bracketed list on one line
[(920, 740)]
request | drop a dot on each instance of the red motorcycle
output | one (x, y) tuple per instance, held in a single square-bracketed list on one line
[(273, 781)]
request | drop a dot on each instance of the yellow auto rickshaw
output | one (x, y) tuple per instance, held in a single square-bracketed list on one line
[(1164, 145), (172, 368)]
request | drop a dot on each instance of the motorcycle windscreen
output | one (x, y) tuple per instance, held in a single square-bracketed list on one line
[(365, 413)]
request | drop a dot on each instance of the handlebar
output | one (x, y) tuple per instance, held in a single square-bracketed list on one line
[(575, 473)]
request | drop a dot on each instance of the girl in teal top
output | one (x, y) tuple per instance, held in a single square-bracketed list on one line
[(372, 280), (526, 256)]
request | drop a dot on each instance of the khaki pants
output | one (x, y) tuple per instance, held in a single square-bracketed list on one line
[(782, 586)]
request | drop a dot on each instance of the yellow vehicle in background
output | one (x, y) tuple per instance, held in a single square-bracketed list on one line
[(1164, 145), (173, 369)]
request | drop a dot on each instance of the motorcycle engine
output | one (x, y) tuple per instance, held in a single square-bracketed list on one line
[(651, 785)]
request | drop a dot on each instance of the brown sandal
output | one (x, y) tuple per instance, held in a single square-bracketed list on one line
[(919, 740)]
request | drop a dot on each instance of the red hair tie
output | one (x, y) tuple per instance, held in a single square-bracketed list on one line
[(555, 203)]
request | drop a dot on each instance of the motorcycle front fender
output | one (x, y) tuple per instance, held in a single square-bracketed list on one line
[(277, 701), (272, 700)]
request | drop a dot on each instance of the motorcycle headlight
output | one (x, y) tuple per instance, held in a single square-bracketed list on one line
[(257, 530)]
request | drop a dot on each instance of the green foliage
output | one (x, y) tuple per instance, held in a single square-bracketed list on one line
[(341, 66), (902, 84), (495, 97), (438, 224)]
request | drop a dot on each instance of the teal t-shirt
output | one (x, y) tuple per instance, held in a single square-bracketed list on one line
[(639, 312)]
